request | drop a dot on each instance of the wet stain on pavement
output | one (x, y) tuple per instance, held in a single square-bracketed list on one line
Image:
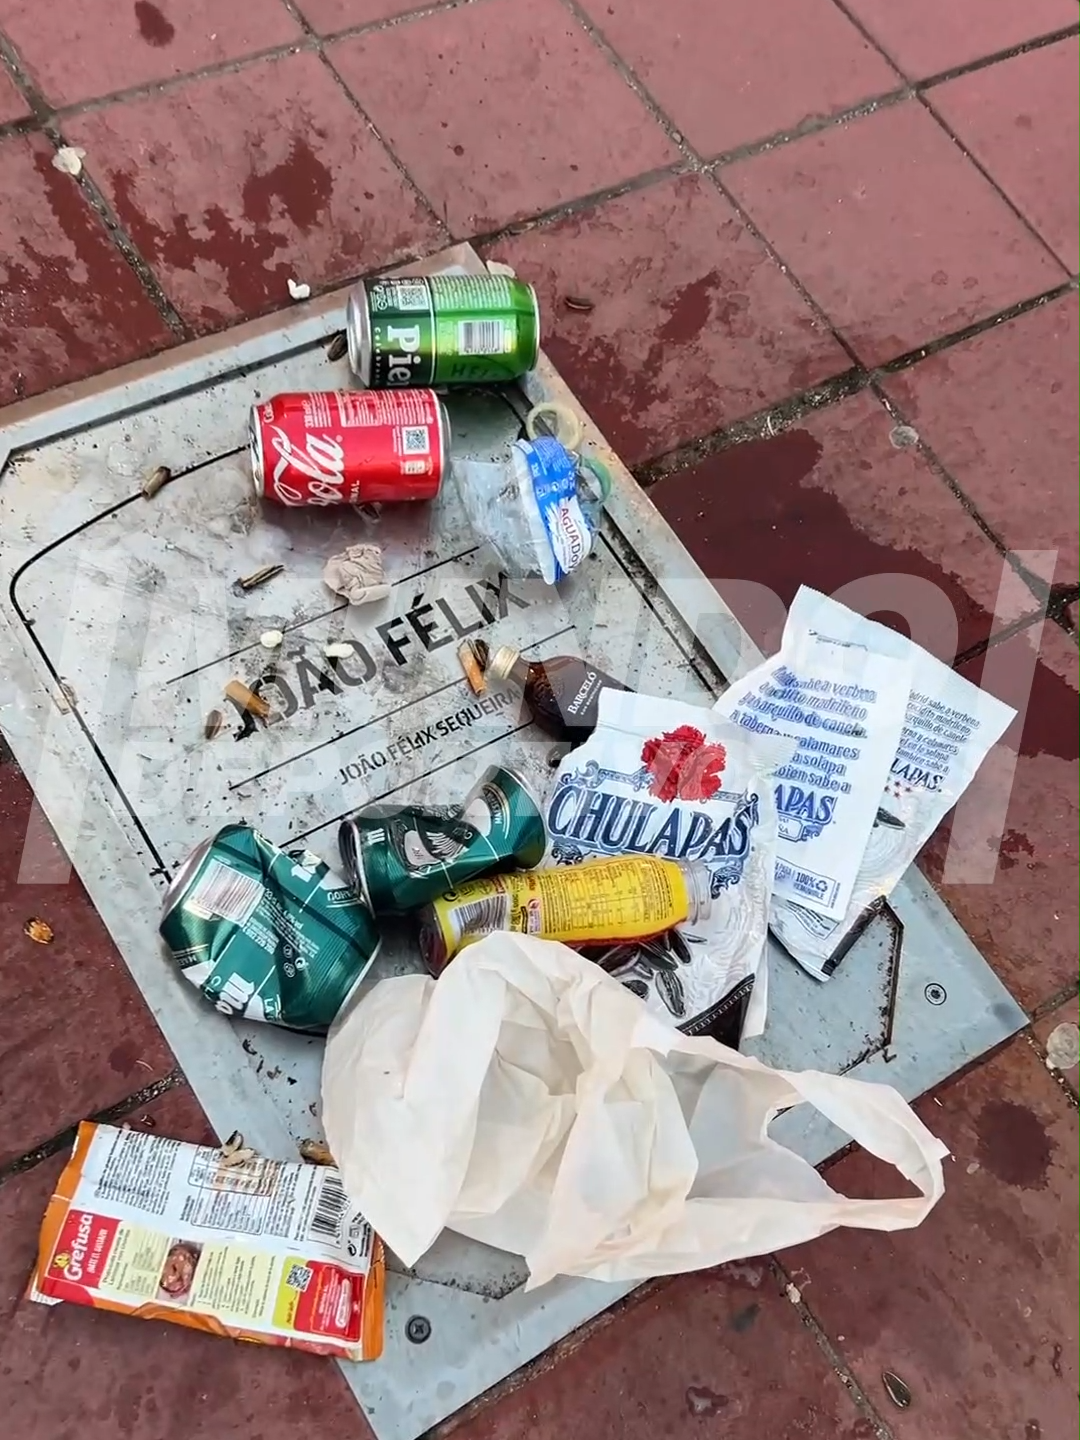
[(1032, 1430), (301, 184), (68, 296), (743, 1320), (154, 28), (1014, 846), (1013, 1144), (764, 512), (635, 381), (703, 1402), (292, 195), (122, 1057), (689, 325), (1050, 711)]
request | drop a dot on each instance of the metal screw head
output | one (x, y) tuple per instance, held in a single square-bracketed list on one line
[(417, 1329), (936, 994)]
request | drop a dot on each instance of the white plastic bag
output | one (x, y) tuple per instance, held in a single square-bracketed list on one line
[(844, 704), (527, 1100), (949, 727)]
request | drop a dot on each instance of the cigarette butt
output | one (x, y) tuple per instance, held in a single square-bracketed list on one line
[(471, 666), (316, 1152), (260, 577), (238, 692), (154, 481)]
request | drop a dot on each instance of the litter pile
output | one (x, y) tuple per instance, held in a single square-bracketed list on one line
[(556, 1087)]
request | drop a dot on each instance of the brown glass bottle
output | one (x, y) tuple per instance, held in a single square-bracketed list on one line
[(562, 693)]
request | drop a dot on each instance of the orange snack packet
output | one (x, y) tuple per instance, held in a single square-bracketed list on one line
[(265, 1250)]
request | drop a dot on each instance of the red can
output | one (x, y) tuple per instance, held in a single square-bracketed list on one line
[(343, 447)]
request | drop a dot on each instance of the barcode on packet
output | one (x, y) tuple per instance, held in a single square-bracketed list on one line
[(221, 890), (410, 297), (415, 440), (480, 337), (329, 1213), (480, 916)]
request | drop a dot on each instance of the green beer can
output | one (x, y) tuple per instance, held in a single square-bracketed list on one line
[(442, 330), (267, 935), (402, 858)]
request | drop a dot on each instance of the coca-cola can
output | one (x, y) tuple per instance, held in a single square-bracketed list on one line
[(342, 447)]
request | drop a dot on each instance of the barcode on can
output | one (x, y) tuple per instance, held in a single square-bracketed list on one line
[(479, 917), (415, 440), (481, 337), (222, 891), (410, 297), (328, 1216)]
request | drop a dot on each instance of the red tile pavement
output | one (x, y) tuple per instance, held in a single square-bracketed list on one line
[(1019, 120), (1000, 413), (693, 326), (733, 73), (722, 1353), (976, 1310), (328, 16), (75, 1035), (68, 1371), (834, 504), (925, 37), (894, 233), (1024, 917), (97, 46), (496, 129), (231, 185), (1061, 1020), (69, 303), (12, 104)]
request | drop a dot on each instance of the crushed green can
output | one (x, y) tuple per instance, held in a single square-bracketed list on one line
[(401, 857), (265, 934)]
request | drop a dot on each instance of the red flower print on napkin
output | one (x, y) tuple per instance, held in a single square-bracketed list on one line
[(682, 765)]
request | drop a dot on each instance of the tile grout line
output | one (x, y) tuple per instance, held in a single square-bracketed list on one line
[(153, 288), (1062, 1081), (827, 392), (812, 125), (311, 41), (1037, 588), (577, 206), (927, 103), (919, 87), (968, 67), (843, 1371), (1054, 1002), (772, 419), (318, 46), (65, 1139), (96, 200), (1041, 42)]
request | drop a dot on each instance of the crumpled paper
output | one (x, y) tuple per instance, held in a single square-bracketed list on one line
[(357, 574)]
